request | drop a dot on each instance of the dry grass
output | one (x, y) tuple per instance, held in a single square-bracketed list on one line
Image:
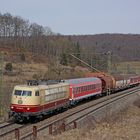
[(132, 66), (126, 127), (24, 71)]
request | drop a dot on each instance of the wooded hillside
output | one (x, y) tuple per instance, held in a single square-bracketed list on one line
[(125, 46), (19, 35)]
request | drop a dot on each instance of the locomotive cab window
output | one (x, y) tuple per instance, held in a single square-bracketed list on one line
[(22, 93), (37, 93), (17, 92), (26, 93)]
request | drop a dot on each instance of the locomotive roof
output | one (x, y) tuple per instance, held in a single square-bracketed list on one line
[(82, 80), (36, 87)]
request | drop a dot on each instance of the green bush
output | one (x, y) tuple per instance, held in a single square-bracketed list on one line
[(22, 57), (8, 67)]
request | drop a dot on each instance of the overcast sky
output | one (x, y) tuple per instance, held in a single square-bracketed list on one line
[(79, 16)]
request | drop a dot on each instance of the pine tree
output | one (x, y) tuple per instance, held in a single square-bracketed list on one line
[(77, 50), (63, 59)]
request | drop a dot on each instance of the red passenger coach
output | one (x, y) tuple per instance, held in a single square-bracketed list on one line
[(84, 87)]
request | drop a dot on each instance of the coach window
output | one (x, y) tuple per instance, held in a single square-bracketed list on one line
[(90, 87), (74, 90), (97, 85), (86, 88), (37, 93), (82, 88), (93, 86), (79, 89)]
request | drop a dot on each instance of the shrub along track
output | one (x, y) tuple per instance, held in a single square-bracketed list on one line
[(54, 123)]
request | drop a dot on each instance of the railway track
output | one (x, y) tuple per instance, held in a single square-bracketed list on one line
[(8, 128), (5, 124), (67, 118)]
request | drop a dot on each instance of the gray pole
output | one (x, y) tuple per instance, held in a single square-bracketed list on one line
[(1, 81), (109, 62)]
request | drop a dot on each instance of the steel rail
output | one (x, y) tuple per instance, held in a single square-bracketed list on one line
[(12, 128), (5, 124)]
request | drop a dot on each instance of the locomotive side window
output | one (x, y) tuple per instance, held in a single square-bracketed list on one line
[(37, 93), (55, 93)]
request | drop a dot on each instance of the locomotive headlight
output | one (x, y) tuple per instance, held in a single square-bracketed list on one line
[(12, 107), (28, 108)]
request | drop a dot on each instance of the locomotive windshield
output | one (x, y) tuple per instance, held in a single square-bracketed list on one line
[(22, 93)]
